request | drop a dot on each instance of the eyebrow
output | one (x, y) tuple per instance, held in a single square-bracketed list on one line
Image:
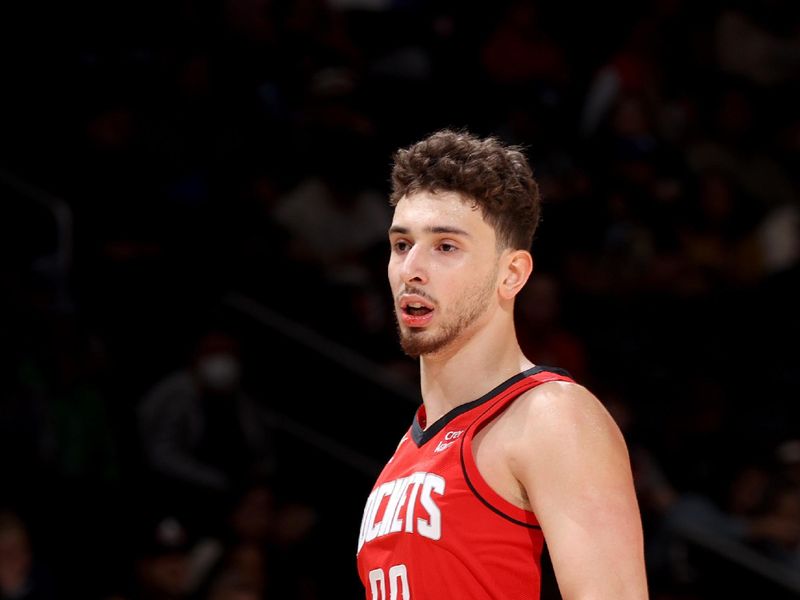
[(432, 229)]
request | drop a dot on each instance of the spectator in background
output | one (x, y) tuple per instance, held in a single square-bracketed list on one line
[(539, 61), (162, 564), (22, 577), (201, 433), (717, 237), (756, 511), (335, 226), (264, 549), (751, 47)]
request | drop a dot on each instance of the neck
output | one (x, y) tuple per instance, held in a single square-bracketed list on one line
[(473, 366)]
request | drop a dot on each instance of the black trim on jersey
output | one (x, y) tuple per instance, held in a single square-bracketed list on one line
[(488, 504), (422, 436)]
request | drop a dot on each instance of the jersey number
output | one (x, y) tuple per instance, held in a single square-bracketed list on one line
[(398, 584)]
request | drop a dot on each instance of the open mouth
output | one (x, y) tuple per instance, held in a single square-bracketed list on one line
[(416, 309)]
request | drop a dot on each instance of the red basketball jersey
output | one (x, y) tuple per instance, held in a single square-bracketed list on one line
[(433, 528)]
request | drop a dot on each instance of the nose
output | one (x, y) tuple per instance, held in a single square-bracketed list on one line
[(414, 269)]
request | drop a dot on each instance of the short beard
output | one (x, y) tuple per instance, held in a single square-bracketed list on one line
[(418, 341), (415, 343)]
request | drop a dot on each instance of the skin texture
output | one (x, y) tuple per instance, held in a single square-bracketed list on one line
[(555, 450)]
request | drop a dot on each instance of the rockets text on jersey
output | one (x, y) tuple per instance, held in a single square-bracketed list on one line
[(406, 504)]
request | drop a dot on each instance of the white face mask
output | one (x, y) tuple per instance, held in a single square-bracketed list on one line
[(219, 372)]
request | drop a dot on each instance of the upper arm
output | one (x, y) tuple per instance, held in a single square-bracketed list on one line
[(572, 460)]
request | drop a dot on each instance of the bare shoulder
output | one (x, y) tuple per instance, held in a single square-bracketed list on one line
[(562, 418), (571, 461), (560, 404)]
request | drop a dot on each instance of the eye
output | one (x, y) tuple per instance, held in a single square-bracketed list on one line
[(447, 247), (401, 246)]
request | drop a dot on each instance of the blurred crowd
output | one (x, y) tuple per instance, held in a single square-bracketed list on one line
[(158, 156)]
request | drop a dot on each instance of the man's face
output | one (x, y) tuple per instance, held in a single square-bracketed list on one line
[(442, 270)]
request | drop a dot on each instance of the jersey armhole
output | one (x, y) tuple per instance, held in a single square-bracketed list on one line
[(472, 475), (485, 493)]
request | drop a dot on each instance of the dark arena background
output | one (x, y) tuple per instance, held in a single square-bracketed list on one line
[(195, 191)]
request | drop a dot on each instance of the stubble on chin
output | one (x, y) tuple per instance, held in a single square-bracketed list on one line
[(417, 341), (411, 342)]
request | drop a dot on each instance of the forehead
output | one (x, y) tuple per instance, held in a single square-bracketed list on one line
[(425, 210)]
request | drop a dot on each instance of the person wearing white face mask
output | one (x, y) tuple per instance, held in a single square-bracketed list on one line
[(201, 434)]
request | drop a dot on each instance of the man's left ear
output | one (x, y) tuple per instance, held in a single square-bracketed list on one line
[(518, 268)]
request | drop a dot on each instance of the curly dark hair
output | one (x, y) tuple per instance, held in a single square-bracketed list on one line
[(495, 176)]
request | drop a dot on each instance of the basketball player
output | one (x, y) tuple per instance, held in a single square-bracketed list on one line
[(503, 454)]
